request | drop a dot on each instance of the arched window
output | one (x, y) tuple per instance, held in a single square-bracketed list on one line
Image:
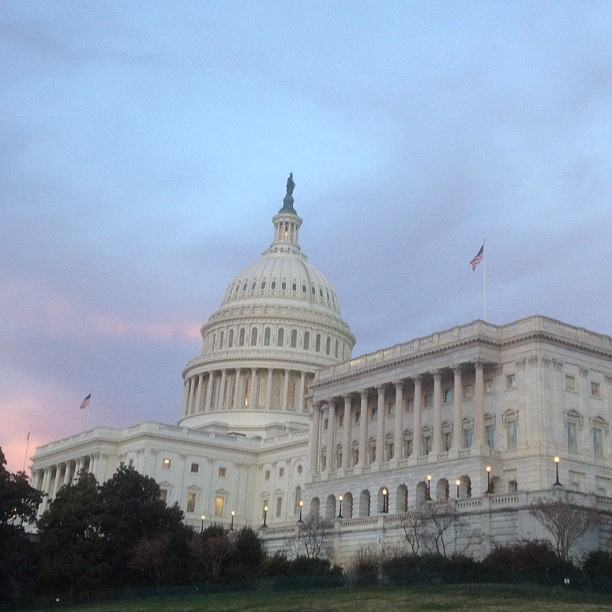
[(306, 340), (327, 345), (294, 338), (254, 336), (230, 338), (281, 337), (221, 339), (267, 336), (318, 343), (241, 337)]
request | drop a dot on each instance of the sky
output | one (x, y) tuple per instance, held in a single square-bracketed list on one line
[(145, 146)]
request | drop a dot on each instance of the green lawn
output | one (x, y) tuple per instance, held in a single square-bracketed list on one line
[(381, 599)]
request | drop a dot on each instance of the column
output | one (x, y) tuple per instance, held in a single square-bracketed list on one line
[(300, 399), (479, 437), (185, 396), (192, 388), (416, 428), (437, 413), (346, 437), (363, 429), (331, 436), (198, 402), (45, 489), (56, 481), (222, 395), (209, 388), (457, 396), (285, 391), (66, 473), (398, 430), (237, 390), (254, 394), (269, 389), (315, 447), (380, 425)]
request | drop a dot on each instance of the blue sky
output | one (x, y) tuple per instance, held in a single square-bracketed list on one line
[(145, 147)]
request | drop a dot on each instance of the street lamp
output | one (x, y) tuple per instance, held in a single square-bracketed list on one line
[(301, 506), (340, 498), (556, 459), (385, 493), (202, 526), (232, 523), (458, 483), (488, 468), (265, 515), (428, 498)]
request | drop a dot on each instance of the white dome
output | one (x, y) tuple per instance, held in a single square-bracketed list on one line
[(278, 323)]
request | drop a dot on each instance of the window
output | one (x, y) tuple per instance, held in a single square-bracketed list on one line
[(570, 383), (241, 337), (389, 450), (279, 506), (446, 441), (325, 424), (428, 399), (294, 338), (356, 416), (426, 443), (374, 414), (512, 486), (267, 336), (489, 386), (306, 340), (222, 472), (221, 340), (219, 505), (327, 345), (467, 437), (191, 502), (318, 343), (195, 468), (598, 441), (595, 390), (281, 472), (511, 434), (447, 396), (511, 381), (410, 404), (254, 336), (267, 475), (163, 494), (230, 338), (323, 459), (490, 434), (341, 420), (166, 463), (408, 445), (570, 436), (468, 392), (390, 409), (281, 337)]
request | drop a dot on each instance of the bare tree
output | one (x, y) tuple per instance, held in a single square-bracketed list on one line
[(150, 556), (437, 528), (412, 524), (565, 521), (316, 534)]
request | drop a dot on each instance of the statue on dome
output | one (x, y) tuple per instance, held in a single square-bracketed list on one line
[(290, 184)]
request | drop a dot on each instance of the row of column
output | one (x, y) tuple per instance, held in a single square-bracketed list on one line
[(49, 479), (478, 438), (200, 394)]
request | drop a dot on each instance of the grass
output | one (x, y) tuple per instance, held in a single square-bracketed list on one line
[(493, 597)]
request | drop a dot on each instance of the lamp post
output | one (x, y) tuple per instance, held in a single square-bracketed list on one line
[(556, 459), (265, 515), (340, 498), (202, 525), (232, 523), (458, 483), (428, 498), (385, 493), (301, 506), (488, 468)]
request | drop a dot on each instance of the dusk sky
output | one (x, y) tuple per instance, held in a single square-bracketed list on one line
[(144, 148)]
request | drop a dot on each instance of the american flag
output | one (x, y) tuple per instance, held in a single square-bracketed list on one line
[(85, 402), (479, 257)]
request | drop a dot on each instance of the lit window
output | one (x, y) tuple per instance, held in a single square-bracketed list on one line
[(511, 381), (195, 468), (191, 502), (166, 463), (222, 472), (219, 505)]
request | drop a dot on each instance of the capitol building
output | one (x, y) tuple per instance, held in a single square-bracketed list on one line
[(279, 422)]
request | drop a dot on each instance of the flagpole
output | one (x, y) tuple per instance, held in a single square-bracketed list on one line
[(86, 417), (484, 281), (25, 458)]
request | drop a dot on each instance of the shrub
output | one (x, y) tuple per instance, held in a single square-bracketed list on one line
[(597, 564), (365, 567)]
